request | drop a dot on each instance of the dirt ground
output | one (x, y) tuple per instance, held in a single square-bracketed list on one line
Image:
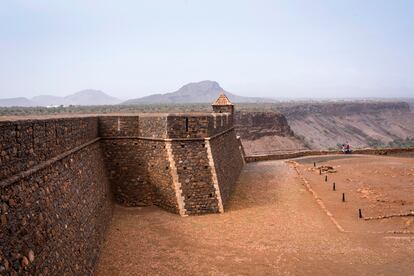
[(379, 186), (273, 225)]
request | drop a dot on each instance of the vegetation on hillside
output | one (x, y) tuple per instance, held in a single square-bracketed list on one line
[(144, 108), (402, 143), (396, 143), (102, 109), (287, 108)]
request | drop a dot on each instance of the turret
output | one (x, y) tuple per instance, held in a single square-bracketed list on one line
[(223, 105)]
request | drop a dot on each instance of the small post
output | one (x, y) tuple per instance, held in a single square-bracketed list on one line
[(326, 178), (314, 164), (343, 197), (360, 213), (333, 187), (320, 171)]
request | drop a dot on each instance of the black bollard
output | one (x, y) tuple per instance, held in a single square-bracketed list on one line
[(333, 187), (326, 178), (360, 213), (314, 164), (343, 197), (320, 171)]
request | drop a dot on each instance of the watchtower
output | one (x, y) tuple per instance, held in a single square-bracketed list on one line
[(223, 105)]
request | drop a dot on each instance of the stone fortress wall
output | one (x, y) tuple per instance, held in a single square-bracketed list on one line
[(172, 166), (55, 200), (59, 177)]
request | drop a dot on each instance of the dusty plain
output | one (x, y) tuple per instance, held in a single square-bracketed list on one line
[(274, 225)]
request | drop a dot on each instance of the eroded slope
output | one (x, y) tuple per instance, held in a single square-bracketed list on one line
[(360, 124), (324, 125)]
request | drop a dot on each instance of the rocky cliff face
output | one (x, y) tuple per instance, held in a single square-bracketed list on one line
[(255, 125), (265, 132), (324, 126), (301, 110)]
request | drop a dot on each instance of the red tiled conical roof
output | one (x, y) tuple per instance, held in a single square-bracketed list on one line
[(222, 100)]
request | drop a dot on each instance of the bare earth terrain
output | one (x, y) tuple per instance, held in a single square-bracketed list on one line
[(274, 225), (379, 186)]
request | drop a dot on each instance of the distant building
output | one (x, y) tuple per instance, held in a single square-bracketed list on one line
[(54, 106)]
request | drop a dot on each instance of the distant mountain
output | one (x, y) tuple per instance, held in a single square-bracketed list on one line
[(91, 97), (21, 101), (84, 97), (194, 92), (48, 100)]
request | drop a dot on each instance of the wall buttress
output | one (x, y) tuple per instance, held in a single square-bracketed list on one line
[(214, 175), (176, 182)]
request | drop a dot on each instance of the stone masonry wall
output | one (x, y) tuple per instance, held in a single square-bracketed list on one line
[(197, 125), (139, 172), (194, 174), (26, 143), (153, 126), (228, 162), (136, 160), (142, 171), (112, 126), (54, 220), (58, 177), (383, 151)]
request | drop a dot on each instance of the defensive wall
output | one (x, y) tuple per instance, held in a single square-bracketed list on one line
[(185, 163), (268, 157), (59, 178)]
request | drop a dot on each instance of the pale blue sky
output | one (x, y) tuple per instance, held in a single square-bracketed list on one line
[(254, 48)]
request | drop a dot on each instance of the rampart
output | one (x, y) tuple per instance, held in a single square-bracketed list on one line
[(55, 201), (60, 176), (171, 160), (379, 151)]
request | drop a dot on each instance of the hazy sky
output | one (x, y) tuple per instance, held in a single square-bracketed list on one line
[(254, 48)]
